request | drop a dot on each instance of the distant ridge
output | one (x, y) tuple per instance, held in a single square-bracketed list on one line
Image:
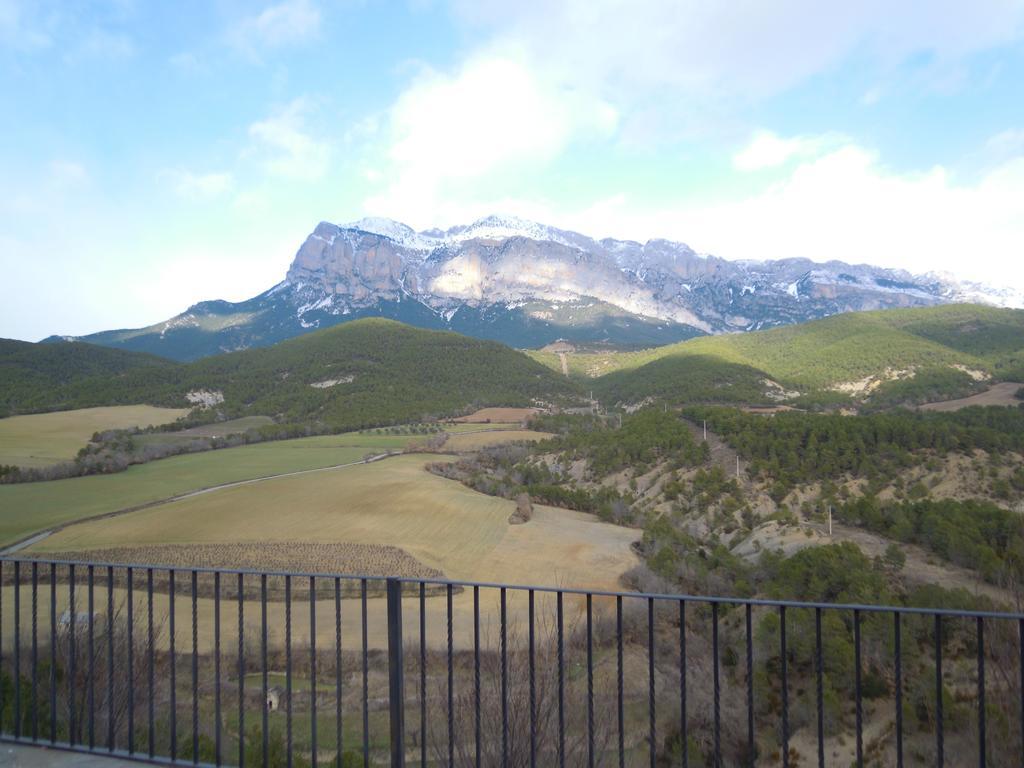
[(872, 359), (365, 373), (527, 284)]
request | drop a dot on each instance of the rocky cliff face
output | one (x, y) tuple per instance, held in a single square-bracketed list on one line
[(500, 260), (527, 284)]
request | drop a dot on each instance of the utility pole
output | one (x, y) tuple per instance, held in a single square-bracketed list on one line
[(737, 467), (705, 430), (830, 521)]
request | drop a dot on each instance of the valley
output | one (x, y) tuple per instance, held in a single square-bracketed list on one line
[(712, 466)]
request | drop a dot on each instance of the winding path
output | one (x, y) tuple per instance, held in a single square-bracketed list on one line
[(37, 537)]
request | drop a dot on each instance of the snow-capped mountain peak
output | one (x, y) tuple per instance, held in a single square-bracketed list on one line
[(528, 284)]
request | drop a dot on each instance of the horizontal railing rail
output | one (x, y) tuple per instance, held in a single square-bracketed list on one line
[(196, 665)]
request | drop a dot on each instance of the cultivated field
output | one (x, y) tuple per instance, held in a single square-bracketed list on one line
[(27, 508), (220, 429), (438, 522), (42, 439), (498, 416), (1003, 393)]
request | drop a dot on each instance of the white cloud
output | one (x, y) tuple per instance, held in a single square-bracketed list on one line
[(288, 148), (493, 116), (286, 23), (845, 204), (197, 186), (745, 49), (768, 150)]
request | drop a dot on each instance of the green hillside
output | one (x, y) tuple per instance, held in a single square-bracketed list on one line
[(921, 346), (362, 373), (39, 377)]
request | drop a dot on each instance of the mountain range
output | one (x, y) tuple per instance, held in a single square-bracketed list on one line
[(527, 285)]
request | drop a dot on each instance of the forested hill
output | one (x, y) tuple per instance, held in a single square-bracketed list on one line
[(37, 377), (366, 372), (884, 358)]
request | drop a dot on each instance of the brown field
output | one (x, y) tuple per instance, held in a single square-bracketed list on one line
[(1003, 393), (438, 522), (498, 416), (376, 560)]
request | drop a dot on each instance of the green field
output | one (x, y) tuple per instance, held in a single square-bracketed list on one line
[(26, 508), (39, 440)]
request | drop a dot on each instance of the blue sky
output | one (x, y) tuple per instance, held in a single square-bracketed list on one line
[(158, 154)]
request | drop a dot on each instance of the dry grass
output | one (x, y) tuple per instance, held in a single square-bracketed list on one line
[(998, 394), (439, 522), (304, 556), (498, 416), (397, 502), (43, 439)]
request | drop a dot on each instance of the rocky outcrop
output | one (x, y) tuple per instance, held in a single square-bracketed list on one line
[(527, 285)]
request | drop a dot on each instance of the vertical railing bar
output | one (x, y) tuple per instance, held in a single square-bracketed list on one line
[(819, 674), (217, 747), (858, 699), (396, 672), (338, 734), (3, 702), (91, 683), (17, 649), (684, 731), (366, 675), (1020, 669), (72, 633), (652, 726), (533, 676), (785, 686), (195, 667), (423, 674), (173, 661), (131, 660), (241, 672), (288, 667), (312, 668), (751, 746), (939, 745), (476, 675), (590, 680), (560, 621), (35, 654), (264, 679), (111, 736), (982, 746), (898, 651), (451, 680), (150, 653), (504, 679), (53, 653), (620, 682), (717, 683)]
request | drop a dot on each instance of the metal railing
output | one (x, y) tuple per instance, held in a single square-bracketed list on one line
[(95, 657)]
